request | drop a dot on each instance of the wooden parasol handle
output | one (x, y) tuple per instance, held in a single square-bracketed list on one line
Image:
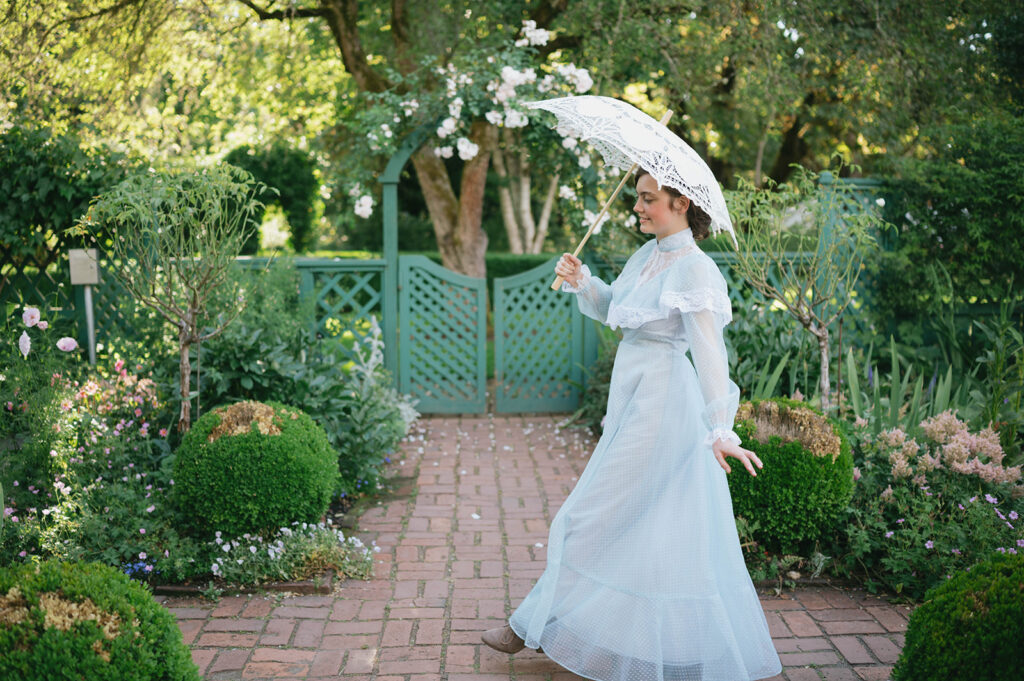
[(557, 283)]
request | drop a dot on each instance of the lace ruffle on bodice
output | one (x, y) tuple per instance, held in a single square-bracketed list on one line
[(670, 289)]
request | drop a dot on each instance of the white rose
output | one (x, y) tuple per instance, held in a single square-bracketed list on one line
[(515, 119), (467, 150), (364, 206)]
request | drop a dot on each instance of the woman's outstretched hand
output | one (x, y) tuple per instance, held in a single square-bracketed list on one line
[(724, 448), (570, 268)]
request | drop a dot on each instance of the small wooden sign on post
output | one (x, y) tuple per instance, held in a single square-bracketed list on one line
[(85, 271)]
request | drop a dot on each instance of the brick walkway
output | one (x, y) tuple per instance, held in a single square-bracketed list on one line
[(460, 548)]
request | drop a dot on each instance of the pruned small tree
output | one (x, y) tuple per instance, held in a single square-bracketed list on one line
[(802, 244), (171, 238)]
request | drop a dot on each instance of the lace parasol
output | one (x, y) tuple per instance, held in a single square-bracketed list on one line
[(625, 136)]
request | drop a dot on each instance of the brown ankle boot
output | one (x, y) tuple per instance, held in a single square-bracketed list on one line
[(503, 639)]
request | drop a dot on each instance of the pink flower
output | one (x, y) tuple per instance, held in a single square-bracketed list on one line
[(30, 316), (142, 530), (163, 432), (67, 344), (118, 365), (138, 412), (929, 544), (150, 509), (43, 326), (24, 344)]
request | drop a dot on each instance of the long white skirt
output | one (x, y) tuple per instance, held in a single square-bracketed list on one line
[(645, 579)]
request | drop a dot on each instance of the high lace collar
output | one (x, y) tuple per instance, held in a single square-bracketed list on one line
[(676, 241)]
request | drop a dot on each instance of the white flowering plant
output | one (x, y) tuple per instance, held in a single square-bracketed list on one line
[(295, 552), (484, 86)]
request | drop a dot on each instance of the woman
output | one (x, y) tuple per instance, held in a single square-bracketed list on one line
[(645, 578)]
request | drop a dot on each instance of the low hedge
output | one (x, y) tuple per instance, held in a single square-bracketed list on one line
[(970, 627), (86, 621), (807, 479), (253, 467)]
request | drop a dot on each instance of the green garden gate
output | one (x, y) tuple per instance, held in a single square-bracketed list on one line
[(538, 344), (442, 329)]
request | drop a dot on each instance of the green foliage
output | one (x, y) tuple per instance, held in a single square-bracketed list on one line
[(969, 627), (36, 431), (47, 181), (131, 637), (295, 552), (172, 238), (292, 173), (928, 506), (251, 481), (798, 495), (960, 214), (810, 268), (268, 354)]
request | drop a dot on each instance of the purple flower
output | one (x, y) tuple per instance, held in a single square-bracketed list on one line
[(955, 552), (929, 544), (1013, 515), (900, 520), (142, 530), (888, 534), (991, 499)]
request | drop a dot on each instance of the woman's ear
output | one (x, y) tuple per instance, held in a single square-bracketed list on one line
[(681, 203)]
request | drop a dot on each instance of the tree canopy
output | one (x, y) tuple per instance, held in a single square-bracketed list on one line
[(757, 85)]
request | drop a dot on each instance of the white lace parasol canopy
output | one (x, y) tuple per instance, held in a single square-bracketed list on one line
[(626, 135)]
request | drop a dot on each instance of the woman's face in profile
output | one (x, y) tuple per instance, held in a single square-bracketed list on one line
[(659, 212)]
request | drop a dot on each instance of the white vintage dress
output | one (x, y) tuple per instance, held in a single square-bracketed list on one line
[(645, 579)]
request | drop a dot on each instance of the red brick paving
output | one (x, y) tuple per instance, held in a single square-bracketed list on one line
[(458, 553)]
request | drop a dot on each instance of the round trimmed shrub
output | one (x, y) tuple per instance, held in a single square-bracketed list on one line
[(86, 621), (252, 467), (970, 627), (807, 479)]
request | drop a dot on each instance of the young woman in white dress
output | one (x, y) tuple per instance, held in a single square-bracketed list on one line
[(645, 578)]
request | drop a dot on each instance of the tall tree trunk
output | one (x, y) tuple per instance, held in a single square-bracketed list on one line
[(824, 383), (545, 215), (184, 377), (508, 211), (461, 240)]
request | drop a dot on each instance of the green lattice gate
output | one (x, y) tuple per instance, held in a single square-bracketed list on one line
[(442, 352), (538, 344)]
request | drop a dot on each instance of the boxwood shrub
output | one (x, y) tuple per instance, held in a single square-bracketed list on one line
[(970, 627), (807, 479), (253, 467), (86, 621)]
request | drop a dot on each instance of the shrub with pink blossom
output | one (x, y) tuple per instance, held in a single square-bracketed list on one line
[(927, 507)]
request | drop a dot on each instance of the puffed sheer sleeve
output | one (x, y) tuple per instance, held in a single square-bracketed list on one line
[(705, 309), (593, 295)]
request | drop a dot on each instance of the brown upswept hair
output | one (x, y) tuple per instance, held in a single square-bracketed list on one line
[(699, 221)]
